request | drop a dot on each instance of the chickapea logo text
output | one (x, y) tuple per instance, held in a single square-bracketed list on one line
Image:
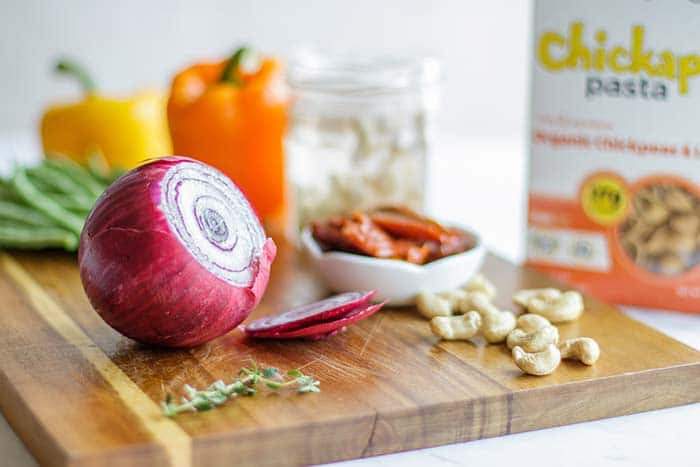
[(557, 52)]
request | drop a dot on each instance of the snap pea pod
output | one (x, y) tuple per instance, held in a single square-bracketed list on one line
[(12, 211), (44, 175), (79, 175), (34, 238), (44, 203)]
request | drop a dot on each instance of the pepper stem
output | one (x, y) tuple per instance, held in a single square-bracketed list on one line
[(230, 73), (71, 68)]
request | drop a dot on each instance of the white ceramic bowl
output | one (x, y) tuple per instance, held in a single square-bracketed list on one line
[(396, 281)]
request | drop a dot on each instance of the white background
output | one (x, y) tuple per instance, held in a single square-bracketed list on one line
[(130, 44)]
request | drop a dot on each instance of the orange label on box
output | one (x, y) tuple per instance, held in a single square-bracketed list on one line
[(615, 153)]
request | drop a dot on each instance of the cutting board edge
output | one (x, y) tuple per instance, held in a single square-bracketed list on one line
[(629, 393), (28, 428), (49, 451), (209, 447)]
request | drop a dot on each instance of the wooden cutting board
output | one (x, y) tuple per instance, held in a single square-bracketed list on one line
[(79, 394)]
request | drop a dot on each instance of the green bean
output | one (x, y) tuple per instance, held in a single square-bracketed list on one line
[(42, 185), (79, 175), (82, 213), (59, 181), (73, 202), (33, 238), (11, 211), (44, 203), (6, 191)]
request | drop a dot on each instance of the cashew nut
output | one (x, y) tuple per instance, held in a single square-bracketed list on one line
[(523, 297), (567, 307), (479, 283), (431, 305), (480, 302), (583, 349), (530, 322), (456, 299), (535, 341), (496, 324), (538, 363), (456, 327)]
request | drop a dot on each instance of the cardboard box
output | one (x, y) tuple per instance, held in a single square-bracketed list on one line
[(614, 201)]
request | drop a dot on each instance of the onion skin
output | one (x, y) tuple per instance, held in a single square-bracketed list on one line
[(144, 282)]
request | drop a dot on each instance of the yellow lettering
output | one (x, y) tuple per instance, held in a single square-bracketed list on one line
[(667, 65), (641, 61), (557, 51), (599, 55), (548, 40), (577, 49), (614, 59), (687, 66)]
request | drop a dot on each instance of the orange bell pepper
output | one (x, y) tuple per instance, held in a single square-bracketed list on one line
[(235, 120)]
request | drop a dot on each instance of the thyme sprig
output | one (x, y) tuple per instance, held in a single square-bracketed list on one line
[(246, 384)]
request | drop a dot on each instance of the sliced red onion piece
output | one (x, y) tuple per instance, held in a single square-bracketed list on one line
[(172, 254), (319, 337), (316, 312), (325, 329)]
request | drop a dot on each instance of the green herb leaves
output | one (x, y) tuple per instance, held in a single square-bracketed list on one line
[(246, 384)]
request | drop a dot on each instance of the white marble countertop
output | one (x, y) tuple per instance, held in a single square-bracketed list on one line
[(482, 184)]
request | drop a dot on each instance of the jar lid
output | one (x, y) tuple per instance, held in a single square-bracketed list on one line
[(350, 73), (352, 77)]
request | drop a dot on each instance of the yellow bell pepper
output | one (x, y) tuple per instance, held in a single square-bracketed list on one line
[(124, 132)]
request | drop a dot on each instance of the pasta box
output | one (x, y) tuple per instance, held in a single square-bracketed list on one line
[(614, 189)]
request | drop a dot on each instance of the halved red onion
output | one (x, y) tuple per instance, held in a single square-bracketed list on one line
[(323, 310), (173, 254), (324, 329)]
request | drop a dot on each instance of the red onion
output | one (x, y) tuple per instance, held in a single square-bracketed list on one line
[(317, 320), (172, 254), (329, 328), (328, 309)]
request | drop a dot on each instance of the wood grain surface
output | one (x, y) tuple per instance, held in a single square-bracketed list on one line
[(79, 394)]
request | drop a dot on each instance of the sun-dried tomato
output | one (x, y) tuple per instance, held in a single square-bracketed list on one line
[(391, 232)]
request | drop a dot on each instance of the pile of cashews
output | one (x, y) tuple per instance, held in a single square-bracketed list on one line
[(464, 313)]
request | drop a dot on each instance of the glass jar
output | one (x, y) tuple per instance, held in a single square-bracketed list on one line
[(359, 132)]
